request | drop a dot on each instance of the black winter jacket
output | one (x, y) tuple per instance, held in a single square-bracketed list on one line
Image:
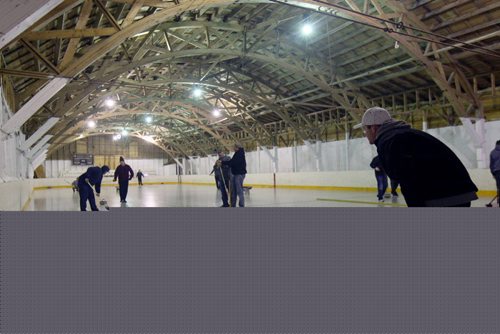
[(237, 163), (430, 174)]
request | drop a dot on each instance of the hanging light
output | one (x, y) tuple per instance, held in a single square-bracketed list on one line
[(91, 124), (124, 133), (307, 29), (149, 119), (216, 112), (197, 92), (110, 103)]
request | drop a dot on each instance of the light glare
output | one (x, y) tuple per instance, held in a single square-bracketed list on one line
[(307, 29), (197, 92), (110, 103)]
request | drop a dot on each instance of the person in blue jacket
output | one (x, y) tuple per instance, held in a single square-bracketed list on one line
[(92, 177)]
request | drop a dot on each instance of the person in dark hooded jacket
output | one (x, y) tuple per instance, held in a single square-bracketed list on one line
[(495, 167), (430, 174), (238, 166), (92, 177)]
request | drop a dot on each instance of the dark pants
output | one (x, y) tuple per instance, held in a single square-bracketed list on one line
[(381, 185), (86, 193), (497, 178), (463, 205), (217, 182), (123, 189), (223, 185), (394, 186), (140, 180)]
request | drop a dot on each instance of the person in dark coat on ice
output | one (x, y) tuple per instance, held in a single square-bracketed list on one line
[(140, 175), (92, 177), (381, 177), (238, 166), (223, 177), (495, 167), (429, 173), (124, 173)]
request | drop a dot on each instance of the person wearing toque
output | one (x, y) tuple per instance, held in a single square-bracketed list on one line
[(124, 173), (429, 173)]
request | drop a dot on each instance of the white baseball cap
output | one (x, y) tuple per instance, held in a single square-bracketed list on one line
[(374, 116)]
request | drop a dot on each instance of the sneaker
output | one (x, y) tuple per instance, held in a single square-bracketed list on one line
[(395, 194), (381, 200), (225, 206)]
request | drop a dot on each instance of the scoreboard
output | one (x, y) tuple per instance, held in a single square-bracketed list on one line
[(83, 160)]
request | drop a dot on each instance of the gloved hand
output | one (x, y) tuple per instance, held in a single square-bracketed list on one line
[(218, 163)]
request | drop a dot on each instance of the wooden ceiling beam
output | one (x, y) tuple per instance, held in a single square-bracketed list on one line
[(69, 33)]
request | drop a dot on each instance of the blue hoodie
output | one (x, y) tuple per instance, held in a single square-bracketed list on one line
[(94, 175), (495, 159)]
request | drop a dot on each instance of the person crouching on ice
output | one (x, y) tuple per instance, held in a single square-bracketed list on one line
[(92, 177)]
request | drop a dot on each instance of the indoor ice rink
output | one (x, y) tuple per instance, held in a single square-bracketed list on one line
[(166, 85)]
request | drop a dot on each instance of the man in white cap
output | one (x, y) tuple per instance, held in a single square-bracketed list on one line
[(430, 174)]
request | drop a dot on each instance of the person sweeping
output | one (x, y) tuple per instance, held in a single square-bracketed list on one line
[(223, 177), (92, 177)]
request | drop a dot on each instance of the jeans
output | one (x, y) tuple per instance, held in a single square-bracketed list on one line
[(86, 193), (381, 185), (237, 190)]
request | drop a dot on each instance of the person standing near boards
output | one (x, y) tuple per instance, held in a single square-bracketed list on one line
[(124, 173)]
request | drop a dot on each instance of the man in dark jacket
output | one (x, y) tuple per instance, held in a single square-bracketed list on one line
[(223, 177), (238, 167), (92, 177), (124, 174), (430, 174), (381, 177), (495, 167)]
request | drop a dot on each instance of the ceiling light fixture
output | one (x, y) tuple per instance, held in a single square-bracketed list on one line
[(307, 29), (110, 103), (197, 92)]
